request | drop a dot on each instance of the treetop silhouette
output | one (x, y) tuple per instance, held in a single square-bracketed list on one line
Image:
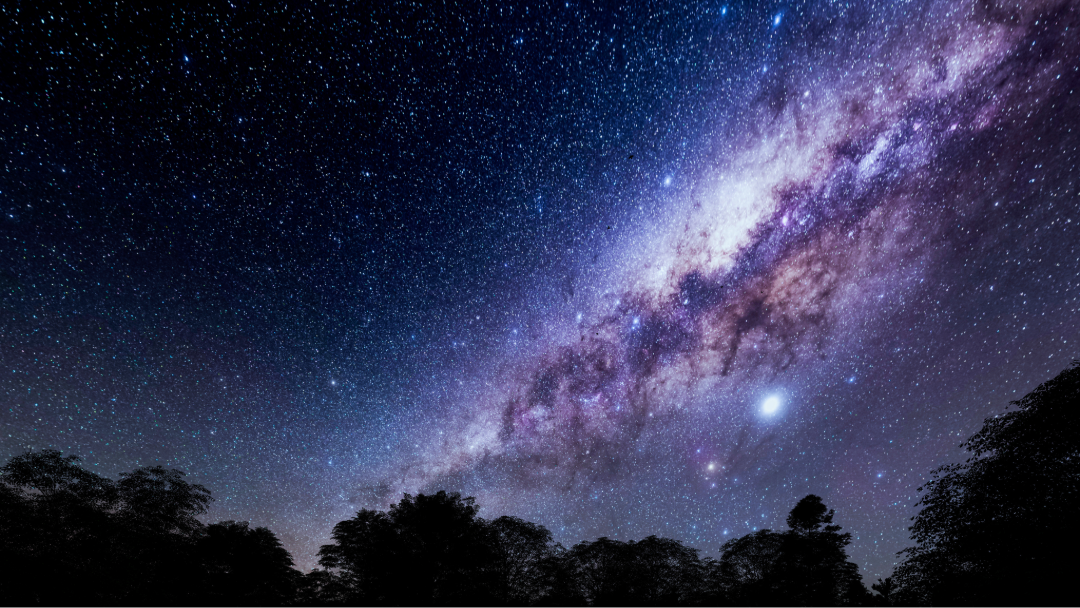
[(805, 566), (69, 536), (809, 515), (995, 529), (1006, 514)]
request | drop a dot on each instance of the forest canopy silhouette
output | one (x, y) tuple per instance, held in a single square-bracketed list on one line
[(997, 529)]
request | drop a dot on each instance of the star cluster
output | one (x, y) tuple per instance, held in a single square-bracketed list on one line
[(619, 270)]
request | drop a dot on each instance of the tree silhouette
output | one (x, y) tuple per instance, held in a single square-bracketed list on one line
[(669, 572), (245, 566), (155, 500), (651, 572), (523, 562), (811, 515), (745, 571), (563, 588), (365, 558), (322, 588), (62, 530), (605, 571), (814, 565), (156, 526), (71, 537), (52, 479), (16, 547), (805, 566), (885, 590), (999, 529), (445, 544), (428, 549)]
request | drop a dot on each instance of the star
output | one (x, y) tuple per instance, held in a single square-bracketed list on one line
[(770, 405)]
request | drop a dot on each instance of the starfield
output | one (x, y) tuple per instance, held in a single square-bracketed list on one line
[(570, 302)]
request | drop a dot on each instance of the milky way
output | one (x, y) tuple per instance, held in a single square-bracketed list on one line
[(840, 215), (747, 253)]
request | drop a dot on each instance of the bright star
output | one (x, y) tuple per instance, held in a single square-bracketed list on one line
[(770, 405)]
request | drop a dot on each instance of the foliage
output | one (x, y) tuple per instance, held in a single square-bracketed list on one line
[(885, 589), (139, 540), (425, 549), (524, 561), (60, 518), (322, 587), (653, 571), (246, 566), (805, 566), (71, 537), (997, 528), (159, 501)]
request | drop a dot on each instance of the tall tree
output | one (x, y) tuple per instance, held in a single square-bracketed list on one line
[(651, 572), (156, 519), (365, 558), (245, 566), (671, 573), (805, 566), (523, 553), (74, 537), (745, 571), (605, 571), (813, 568), (446, 546), (427, 549), (1000, 528), (63, 533), (156, 500)]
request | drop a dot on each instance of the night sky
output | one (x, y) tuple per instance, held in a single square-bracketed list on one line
[(661, 268)]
